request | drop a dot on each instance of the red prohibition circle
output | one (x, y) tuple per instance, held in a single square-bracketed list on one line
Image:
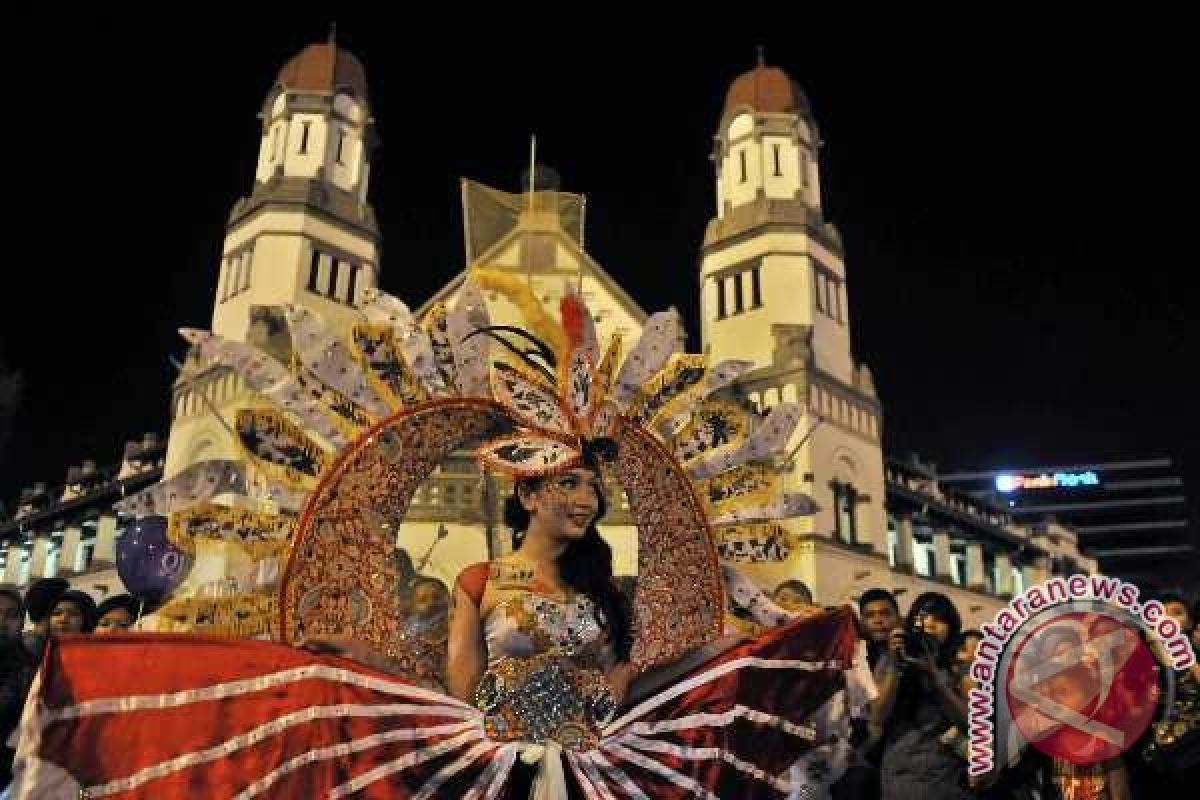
[(1082, 686)]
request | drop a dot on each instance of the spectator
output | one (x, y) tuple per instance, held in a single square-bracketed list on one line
[(54, 607), (922, 705), (73, 612), (16, 673), (117, 614), (879, 615), (1171, 748)]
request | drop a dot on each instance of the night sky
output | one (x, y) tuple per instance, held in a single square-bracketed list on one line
[(1010, 204)]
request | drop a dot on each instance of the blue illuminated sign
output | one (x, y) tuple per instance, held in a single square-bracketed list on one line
[(1059, 480)]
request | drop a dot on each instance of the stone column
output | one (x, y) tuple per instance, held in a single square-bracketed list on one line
[(72, 546), (975, 571), (1004, 576), (12, 566), (106, 539), (904, 543), (941, 553), (41, 553)]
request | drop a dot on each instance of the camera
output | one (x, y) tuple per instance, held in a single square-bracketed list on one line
[(918, 643)]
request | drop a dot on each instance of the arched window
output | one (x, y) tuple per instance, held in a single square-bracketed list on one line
[(845, 499)]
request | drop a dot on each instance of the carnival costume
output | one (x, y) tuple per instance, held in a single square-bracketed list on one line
[(355, 426)]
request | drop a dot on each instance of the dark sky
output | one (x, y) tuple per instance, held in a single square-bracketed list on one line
[(1012, 199)]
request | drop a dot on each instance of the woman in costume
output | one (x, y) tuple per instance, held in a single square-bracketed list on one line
[(548, 667)]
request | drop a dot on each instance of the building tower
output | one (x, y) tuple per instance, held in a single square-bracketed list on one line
[(305, 235), (773, 290)]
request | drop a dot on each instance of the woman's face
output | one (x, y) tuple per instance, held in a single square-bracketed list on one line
[(67, 617), (566, 503), (934, 626), (114, 621)]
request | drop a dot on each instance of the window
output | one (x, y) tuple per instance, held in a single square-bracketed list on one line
[(331, 291), (844, 501), (340, 146), (827, 289), (352, 284), (742, 161), (325, 282), (893, 540), (778, 171), (304, 126), (923, 554), (739, 279), (247, 261), (958, 567), (314, 270), (235, 274)]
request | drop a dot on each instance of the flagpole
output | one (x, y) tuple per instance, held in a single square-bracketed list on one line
[(204, 399), (788, 462), (532, 168)]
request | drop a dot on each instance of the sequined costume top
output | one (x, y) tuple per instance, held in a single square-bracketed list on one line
[(546, 658)]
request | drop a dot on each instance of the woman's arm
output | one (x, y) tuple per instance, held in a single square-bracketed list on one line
[(620, 676), (466, 649)]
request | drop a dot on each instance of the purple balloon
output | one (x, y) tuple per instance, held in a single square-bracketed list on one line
[(149, 565)]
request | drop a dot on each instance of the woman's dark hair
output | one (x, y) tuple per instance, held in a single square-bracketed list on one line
[(913, 691), (936, 604), (125, 601), (585, 565)]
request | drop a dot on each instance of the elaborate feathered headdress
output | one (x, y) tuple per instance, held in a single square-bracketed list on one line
[(350, 428)]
